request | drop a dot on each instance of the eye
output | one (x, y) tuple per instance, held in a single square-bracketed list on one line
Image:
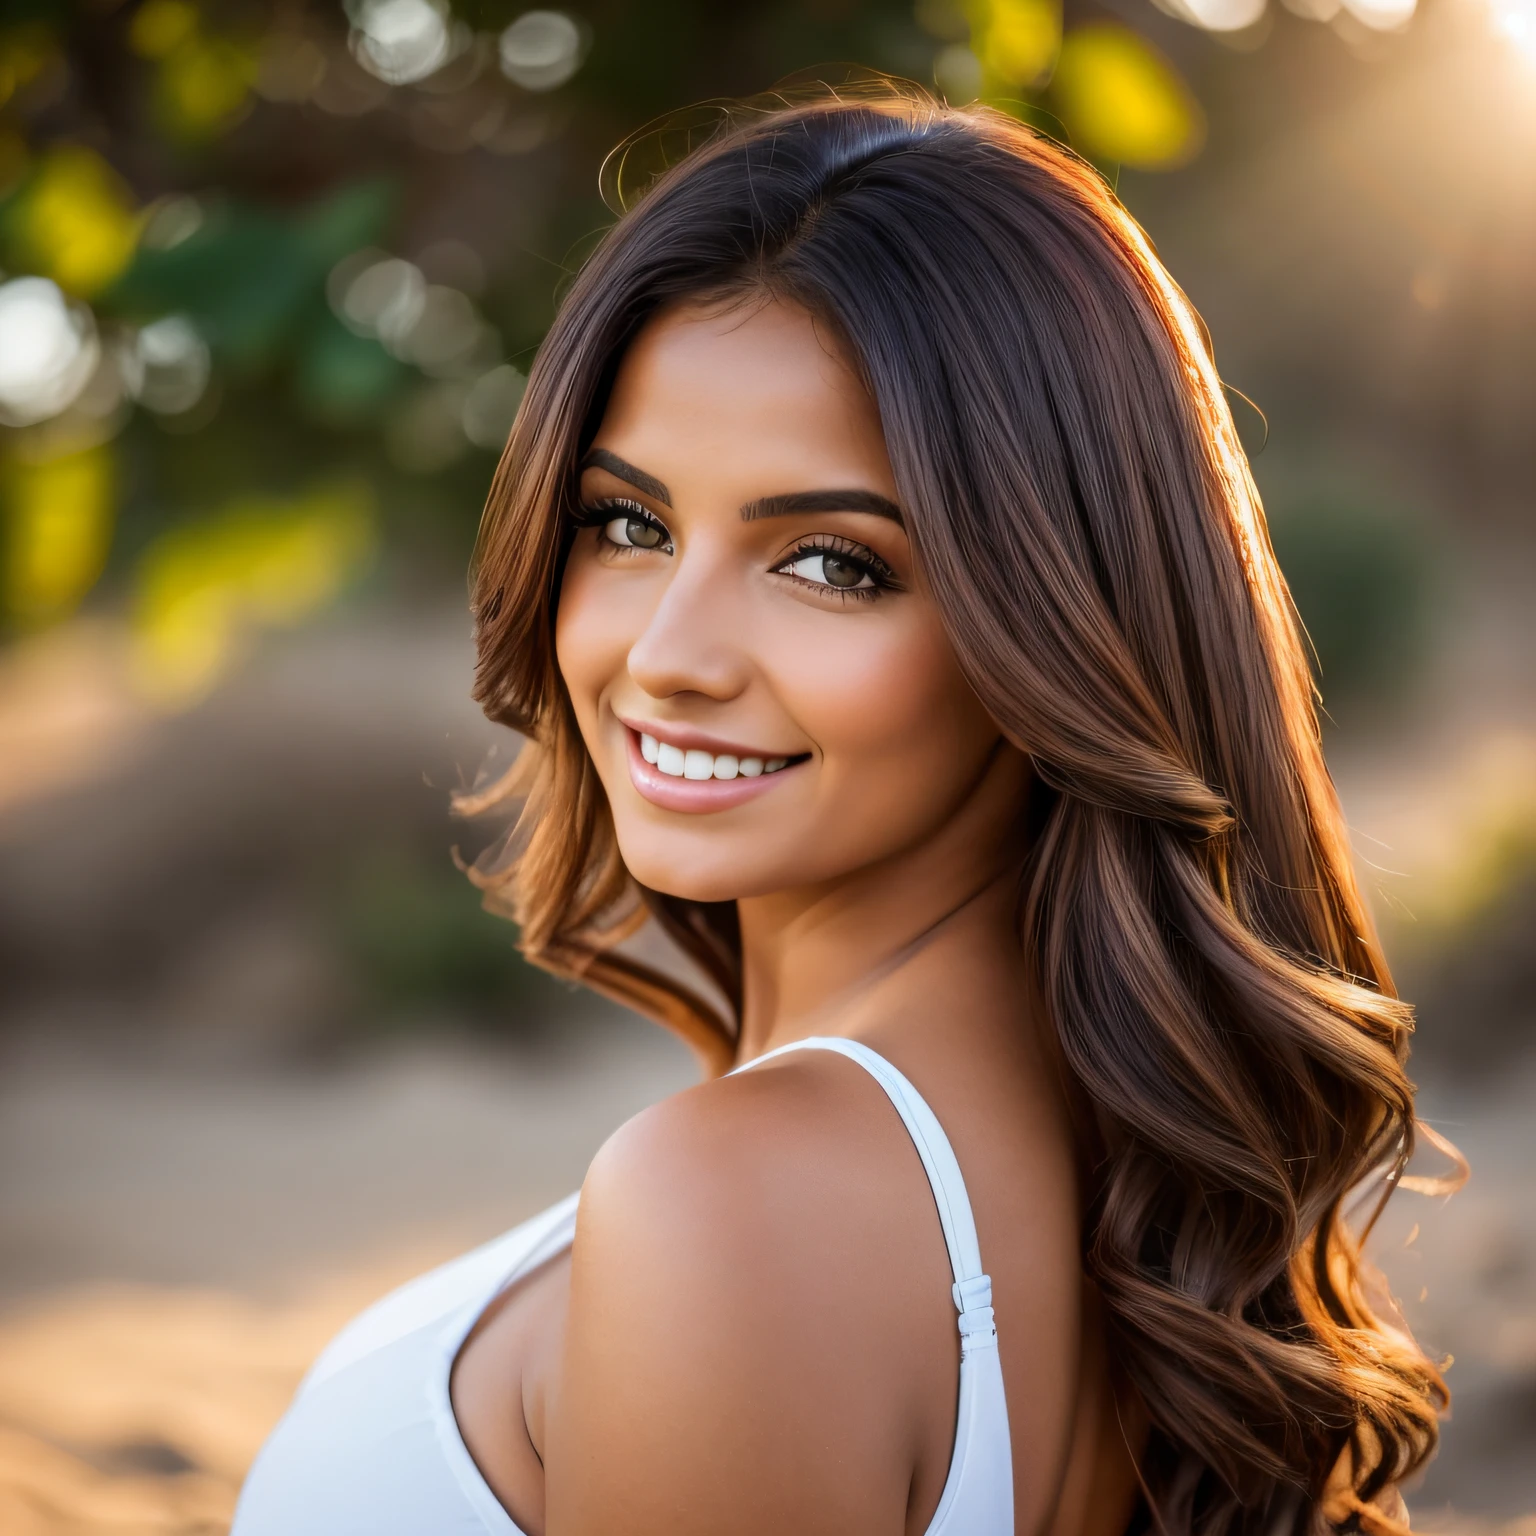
[(828, 568), (635, 530), (839, 565), (626, 525)]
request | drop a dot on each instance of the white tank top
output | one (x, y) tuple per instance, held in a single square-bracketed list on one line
[(370, 1446)]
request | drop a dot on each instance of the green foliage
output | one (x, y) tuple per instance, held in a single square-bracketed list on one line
[(253, 279), (1474, 976), (195, 187), (1359, 572), (417, 938)]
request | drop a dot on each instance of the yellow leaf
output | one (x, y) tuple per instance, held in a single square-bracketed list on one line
[(259, 563), (205, 85), (77, 222), (59, 524), (1123, 101), (1016, 40), (160, 25)]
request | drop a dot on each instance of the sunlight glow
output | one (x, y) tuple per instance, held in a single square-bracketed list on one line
[(1382, 15), (1215, 15), (1516, 21)]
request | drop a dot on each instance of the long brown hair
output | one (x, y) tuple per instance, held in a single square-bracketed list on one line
[(1078, 499)]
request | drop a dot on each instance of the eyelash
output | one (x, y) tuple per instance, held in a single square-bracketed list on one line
[(599, 513), (880, 573)]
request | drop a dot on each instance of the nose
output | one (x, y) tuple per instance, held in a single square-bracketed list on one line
[(692, 641)]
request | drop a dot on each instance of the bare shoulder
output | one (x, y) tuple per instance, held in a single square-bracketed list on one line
[(758, 1284), (761, 1334), (755, 1156), (784, 1193)]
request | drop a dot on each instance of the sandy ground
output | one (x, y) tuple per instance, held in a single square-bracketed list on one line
[(179, 1244)]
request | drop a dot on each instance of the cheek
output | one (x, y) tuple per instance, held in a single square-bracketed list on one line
[(889, 708), (593, 634)]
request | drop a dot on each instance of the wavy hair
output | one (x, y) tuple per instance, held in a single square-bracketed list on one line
[(1078, 499)]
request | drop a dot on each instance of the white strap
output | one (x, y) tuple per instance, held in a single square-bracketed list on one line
[(972, 1290)]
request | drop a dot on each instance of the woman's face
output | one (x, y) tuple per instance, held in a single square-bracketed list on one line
[(757, 669)]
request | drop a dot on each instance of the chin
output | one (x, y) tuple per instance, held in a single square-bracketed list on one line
[(692, 870), (690, 885)]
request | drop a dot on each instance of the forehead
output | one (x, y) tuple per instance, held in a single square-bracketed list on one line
[(754, 384)]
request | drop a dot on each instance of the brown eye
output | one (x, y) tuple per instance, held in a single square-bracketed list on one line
[(840, 572), (827, 568), (634, 530)]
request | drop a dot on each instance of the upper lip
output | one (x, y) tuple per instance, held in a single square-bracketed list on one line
[(685, 736)]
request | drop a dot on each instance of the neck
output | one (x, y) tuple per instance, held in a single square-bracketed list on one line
[(809, 955)]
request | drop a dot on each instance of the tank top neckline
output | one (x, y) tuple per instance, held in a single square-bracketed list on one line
[(980, 1369)]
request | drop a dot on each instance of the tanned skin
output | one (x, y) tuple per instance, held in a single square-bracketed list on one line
[(754, 1333)]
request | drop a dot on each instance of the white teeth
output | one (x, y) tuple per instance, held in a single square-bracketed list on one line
[(693, 763)]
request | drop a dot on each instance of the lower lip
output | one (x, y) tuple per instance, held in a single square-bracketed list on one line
[(693, 796)]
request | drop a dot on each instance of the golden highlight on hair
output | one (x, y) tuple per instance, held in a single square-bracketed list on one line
[(1085, 517)]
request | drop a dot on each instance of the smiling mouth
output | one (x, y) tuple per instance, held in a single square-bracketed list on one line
[(694, 763)]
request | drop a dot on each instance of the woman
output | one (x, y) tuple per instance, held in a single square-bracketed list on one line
[(875, 570)]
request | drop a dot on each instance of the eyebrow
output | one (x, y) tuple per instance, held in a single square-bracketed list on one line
[(822, 501), (600, 458), (764, 506)]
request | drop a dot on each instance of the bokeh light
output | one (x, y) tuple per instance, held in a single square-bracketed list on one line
[(169, 365), (260, 563), (75, 220), (957, 73), (1515, 20), (490, 406), (1016, 40), (170, 221), (48, 350), (58, 525), (1217, 15), (1382, 15), (203, 80), (541, 50), (378, 295), (159, 27), (1123, 101), (402, 41)]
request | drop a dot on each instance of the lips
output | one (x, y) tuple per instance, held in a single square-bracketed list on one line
[(692, 773)]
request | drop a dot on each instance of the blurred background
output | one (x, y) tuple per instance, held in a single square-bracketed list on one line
[(270, 280)]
